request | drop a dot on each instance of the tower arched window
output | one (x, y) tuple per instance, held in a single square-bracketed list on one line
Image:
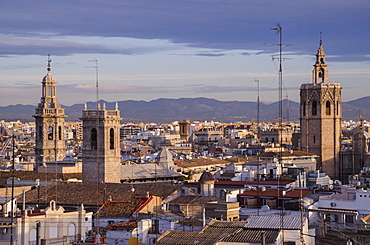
[(322, 74), (60, 134), (327, 107), (337, 110), (111, 139), (50, 133), (304, 109), (314, 108), (94, 138)]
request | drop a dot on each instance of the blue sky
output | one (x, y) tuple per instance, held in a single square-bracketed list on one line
[(172, 49)]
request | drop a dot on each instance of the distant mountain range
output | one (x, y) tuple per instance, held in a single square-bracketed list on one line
[(201, 109)]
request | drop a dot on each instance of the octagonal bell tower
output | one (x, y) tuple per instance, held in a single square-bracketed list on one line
[(320, 117)]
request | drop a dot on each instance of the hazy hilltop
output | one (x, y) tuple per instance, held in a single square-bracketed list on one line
[(167, 110)]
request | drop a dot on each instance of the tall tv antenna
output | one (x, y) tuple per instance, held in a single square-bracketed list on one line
[(96, 80), (258, 106), (279, 30)]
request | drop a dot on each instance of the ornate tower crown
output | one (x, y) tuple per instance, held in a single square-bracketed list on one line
[(320, 71)]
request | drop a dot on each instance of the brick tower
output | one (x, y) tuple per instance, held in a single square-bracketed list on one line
[(101, 145), (320, 117)]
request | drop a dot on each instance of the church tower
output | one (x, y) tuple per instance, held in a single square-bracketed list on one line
[(101, 145), (320, 117), (49, 117), (184, 129)]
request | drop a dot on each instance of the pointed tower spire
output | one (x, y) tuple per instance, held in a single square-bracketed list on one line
[(320, 71), (116, 106)]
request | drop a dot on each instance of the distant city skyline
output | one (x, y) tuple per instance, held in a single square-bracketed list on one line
[(179, 49)]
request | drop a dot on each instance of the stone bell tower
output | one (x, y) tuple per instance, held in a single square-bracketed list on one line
[(49, 117), (320, 117), (101, 145)]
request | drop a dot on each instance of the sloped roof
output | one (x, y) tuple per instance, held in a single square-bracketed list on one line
[(123, 209), (218, 231), (199, 162), (31, 175), (146, 171), (273, 222), (165, 158), (128, 226), (195, 200), (94, 194), (270, 154)]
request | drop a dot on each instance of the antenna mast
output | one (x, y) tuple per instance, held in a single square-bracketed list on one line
[(279, 29), (96, 80), (258, 106)]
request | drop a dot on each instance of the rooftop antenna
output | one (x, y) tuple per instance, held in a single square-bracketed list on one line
[(97, 145), (96, 80), (258, 106), (279, 30), (287, 106)]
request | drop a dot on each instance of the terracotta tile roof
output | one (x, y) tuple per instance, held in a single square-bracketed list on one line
[(30, 175), (253, 236), (123, 209), (128, 226), (218, 231), (194, 200), (94, 194), (273, 222), (270, 154), (190, 222)]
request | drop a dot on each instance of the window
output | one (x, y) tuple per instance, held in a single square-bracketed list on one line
[(60, 133), (304, 109), (322, 74), (111, 139), (327, 107), (349, 219), (314, 108), (50, 133), (94, 138), (337, 108)]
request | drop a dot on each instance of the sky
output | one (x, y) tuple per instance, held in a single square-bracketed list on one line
[(151, 49)]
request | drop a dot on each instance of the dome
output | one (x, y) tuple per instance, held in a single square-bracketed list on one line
[(206, 176)]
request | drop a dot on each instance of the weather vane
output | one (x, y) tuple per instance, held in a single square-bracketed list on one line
[(49, 62)]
